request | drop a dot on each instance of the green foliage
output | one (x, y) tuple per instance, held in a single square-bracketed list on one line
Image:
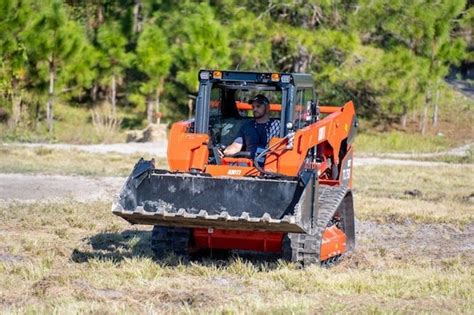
[(13, 56), (422, 27), (198, 41), (52, 37), (153, 57), (389, 56), (113, 58), (249, 44)]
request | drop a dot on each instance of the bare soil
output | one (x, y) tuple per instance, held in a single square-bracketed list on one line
[(46, 188), (417, 241), (157, 149)]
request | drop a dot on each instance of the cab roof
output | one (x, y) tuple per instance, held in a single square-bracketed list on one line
[(297, 79)]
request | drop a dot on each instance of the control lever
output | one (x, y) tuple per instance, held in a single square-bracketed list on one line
[(218, 150)]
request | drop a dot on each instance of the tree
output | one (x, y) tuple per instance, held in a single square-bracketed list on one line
[(249, 36), (154, 59), (424, 28), (113, 57), (198, 41), (14, 17), (54, 40)]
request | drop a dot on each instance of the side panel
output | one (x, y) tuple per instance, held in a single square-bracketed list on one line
[(345, 175), (334, 243), (186, 150), (269, 242)]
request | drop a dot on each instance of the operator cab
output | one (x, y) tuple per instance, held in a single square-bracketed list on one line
[(231, 108), (223, 103)]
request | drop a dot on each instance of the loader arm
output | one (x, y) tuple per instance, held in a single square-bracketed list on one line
[(333, 129)]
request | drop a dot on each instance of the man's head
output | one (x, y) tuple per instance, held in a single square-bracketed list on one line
[(260, 106)]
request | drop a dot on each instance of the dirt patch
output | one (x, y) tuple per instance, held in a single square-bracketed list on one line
[(185, 298), (366, 161), (157, 149), (93, 293), (409, 241), (8, 258), (56, 187)]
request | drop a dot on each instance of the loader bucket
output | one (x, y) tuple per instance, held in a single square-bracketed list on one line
[(157, 197)]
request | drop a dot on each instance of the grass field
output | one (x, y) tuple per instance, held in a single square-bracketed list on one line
[(414, 255), (68, 162)]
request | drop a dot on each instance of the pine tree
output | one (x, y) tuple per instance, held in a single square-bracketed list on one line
[(199, 41), (422, 27), (154, 59), (14, 17), (54, 40), (114, 58)]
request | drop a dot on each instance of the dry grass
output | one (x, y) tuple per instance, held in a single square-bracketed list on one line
[(414, 253), (419, 194), (67, 162), (74, 257)]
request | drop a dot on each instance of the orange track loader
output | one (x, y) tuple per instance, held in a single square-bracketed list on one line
[(293, 197)]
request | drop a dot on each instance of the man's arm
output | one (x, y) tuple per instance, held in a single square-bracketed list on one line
[(234, 148), (238, 143)]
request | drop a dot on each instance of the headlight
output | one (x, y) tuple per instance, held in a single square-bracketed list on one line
[(204, 75), (285, 78)]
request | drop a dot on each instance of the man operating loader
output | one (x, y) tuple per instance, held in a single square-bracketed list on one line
[(289, 201), (255, 135)]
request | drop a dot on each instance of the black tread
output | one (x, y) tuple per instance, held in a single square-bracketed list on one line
[(305, 248), (170, 240)]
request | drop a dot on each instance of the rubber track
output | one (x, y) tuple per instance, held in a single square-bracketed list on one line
[(166, 240), (304, 248)]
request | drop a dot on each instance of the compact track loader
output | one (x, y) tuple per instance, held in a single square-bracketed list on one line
[(293, 197)]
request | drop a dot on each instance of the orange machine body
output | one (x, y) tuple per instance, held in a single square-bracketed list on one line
[(188, 151)]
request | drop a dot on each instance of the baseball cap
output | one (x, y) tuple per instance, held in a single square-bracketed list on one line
[(260, 99)]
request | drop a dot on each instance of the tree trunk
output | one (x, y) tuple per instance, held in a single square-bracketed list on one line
[(404, 120), (37, 115), (149, 110), (436, 110), (49, 105), (301, 63), (137, 26), (16, 110), (157, 102), (100, 15), (424, 117), (94, 93), (404, 117), (113, 95)]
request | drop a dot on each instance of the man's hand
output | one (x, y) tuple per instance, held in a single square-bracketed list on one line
[(220, 150)]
